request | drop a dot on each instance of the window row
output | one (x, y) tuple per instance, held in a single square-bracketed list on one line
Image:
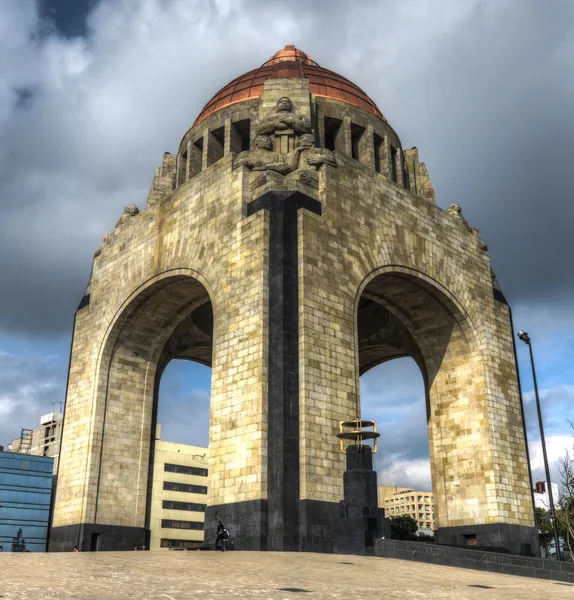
[(171, 524), (185, 470), (376, 150), (172, 486), (174, 505)]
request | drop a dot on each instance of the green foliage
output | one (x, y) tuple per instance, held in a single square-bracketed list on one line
[(425, 537), (565, 514), (18, 542), (545, 531), (403, 527)]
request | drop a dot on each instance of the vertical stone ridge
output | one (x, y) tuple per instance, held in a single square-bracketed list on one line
[(283, 396)]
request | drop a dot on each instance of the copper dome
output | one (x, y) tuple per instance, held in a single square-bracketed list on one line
[(290, 62)]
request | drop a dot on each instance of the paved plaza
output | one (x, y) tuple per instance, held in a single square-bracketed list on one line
[(180, 575)]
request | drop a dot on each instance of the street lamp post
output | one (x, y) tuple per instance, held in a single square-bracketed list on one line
[(524, 337)]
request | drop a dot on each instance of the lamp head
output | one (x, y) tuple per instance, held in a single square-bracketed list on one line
[(524, 336)]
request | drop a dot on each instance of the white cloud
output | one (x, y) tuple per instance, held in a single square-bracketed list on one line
[(415, 474)]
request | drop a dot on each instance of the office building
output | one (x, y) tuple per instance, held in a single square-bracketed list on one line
[(541, 498), (25, 491), (179, 495), (43, 440), (406, 501)]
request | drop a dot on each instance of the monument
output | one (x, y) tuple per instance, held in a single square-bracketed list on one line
[(292, 244)]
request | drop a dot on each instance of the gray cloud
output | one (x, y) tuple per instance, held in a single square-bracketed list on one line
[(483, 87), (30, 385)]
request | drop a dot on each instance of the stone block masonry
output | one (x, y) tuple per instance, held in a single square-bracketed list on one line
[(291, 244)]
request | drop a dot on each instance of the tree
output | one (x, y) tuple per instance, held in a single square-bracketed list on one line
[(545, 531), (565, 516), (403, 527), (18, 542)]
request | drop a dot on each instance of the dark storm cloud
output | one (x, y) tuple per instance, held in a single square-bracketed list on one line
[(483, 88), (69, 17)]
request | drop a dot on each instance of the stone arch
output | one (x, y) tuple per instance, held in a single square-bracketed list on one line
[(403, 312), (169, 316)]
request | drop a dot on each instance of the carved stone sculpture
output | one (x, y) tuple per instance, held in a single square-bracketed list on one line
[(282, 119), (259, 158), (456, 211), (129, 212)]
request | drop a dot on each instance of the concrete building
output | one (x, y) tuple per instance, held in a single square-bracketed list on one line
[(405, 501), (291, 243), (43, 440), (25, 492), (179, 495), (541, 498)]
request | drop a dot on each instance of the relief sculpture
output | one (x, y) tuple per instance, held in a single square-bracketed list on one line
[(289, 130)]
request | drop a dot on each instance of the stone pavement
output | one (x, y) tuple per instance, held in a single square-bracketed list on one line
[(172, 575)]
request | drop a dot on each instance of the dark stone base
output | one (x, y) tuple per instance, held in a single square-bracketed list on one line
[(89, 537), (498, 537), (317, 523), (245, 521), (356, 535), (492, 562)]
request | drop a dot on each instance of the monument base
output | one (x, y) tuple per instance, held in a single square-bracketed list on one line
[(498, 537), (90, 537)]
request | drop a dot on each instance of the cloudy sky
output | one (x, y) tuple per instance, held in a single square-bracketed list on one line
[(92, 92)]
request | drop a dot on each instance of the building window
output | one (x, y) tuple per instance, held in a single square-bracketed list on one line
[(357, 150), (378, 142), (185, 470), (240, 131), (332, 130), (216, 142), (394, 175), (167, 543), (171, 524), (184, 487), (174, 505)]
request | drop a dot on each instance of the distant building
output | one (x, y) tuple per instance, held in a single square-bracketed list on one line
[(25, 492), (179, 495), (42, 441), (406, 501), (540, 492)]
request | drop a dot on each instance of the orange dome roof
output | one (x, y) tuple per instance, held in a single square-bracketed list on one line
[(290, 62)]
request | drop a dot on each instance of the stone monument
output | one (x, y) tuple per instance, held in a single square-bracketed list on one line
[(291, 244)]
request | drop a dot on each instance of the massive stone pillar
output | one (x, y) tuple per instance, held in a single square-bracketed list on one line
[(290, 245)]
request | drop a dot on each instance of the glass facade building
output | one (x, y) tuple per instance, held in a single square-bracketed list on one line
[(25, 492)]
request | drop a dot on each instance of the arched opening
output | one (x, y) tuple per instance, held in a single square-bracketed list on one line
[(181, 455), (393, 395), (403, 314), (171, 317)]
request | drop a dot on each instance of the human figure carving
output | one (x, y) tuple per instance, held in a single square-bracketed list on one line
[(305, 156), (456, 211), (260, 157), (129, 212), (283, 118)]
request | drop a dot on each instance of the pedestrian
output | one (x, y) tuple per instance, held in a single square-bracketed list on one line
[(220, 533), (76, 549)]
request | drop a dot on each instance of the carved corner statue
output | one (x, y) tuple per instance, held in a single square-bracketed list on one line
[(284, 118), (456, 211), (129, 212)]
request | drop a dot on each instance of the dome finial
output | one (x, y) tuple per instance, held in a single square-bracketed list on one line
[(291, 53)]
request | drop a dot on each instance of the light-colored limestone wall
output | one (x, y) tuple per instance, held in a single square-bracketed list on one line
[(176, 454), (371, 226), (191, 246)]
